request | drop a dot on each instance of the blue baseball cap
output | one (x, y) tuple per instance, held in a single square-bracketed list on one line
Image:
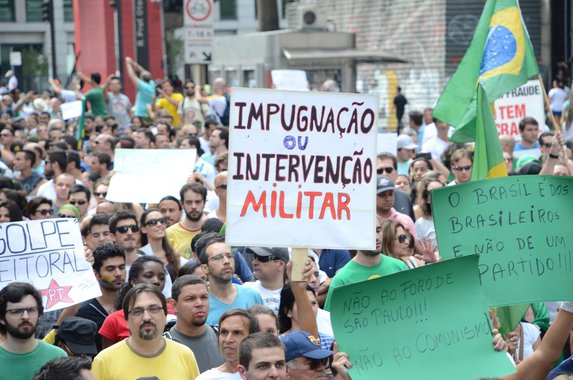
[(565, 368), (300, 343)]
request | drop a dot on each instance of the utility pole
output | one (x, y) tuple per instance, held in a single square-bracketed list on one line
[(48, 15)]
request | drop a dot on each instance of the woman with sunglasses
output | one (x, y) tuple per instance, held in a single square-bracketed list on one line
[(425, 221), (40, 208), (154, 243), (68, 211), (396, 243), (145, 270)]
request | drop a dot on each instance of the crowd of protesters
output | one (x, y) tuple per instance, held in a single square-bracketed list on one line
[(177, 301)]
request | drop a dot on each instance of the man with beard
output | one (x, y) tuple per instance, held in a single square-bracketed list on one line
[(109, 269), (123, 225), (146, 354), (193, 196), (191, 303), (366, 265), (21, 355), (171, 209)]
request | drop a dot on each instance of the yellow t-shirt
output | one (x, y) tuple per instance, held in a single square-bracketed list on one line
[(119, 361), (180, 239), (171, 108)]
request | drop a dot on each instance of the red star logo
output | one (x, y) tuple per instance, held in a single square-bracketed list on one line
[(56, 293)]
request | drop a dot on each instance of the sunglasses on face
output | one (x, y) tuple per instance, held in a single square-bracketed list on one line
[(123, 229), (45, 212), (155, 221), (265, 259), (315, 363), (462, 168), (547, 145), (102, 194), (383, 170), (402, 238), (80, 202), (222, 186), (65, 216)]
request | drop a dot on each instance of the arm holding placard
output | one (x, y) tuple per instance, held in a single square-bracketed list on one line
[(307, 319), (538, 364)]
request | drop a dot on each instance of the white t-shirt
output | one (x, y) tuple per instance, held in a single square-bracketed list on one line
[(530, 334), (436, 147), (557, 96), (216, 374), (271, 298)]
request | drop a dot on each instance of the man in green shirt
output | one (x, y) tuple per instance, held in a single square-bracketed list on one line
[(21, 355), (366, 265), (96, 96)]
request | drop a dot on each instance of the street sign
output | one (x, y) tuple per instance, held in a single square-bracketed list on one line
[(199, 32), (15, 58)]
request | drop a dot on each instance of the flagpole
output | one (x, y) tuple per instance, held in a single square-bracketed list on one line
[(554, 125)]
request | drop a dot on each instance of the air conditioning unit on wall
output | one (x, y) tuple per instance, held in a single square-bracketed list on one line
[(309, 16)]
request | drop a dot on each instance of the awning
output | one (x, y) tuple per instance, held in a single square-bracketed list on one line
[(361, 56)]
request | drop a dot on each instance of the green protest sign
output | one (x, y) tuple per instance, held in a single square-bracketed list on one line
[(521, 228), (426, 323)]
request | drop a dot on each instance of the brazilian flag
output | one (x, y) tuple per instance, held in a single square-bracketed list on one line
[(500, 56)]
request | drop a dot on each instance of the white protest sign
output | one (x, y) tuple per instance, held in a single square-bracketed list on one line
[(50, 255), (289, 80), (71, 109), (147, 175), (526, 100), (387, 142), (302, 169)]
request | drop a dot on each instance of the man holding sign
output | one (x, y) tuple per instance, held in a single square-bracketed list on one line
[(21, 355), (366, 265)]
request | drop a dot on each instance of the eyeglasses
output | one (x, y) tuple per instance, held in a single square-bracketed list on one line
[(20, 311), (153, 310), (220, 257), (5, 135), (222, 186), (65, 216), (402, 238), (266, 259), (45, 212), (155, 221), (387, 170), (79, 202), (462, 168), (102, 194), (123, 229)]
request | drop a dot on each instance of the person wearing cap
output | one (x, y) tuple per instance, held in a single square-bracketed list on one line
[(365, 265), (269, 266), (76, 336), (12, 82), (387, 164), (68, 211), (306, 360), (405, 147), (384, 204)]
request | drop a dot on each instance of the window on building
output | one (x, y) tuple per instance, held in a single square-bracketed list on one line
[(68, 11), (34, 10), (228, 9), (7, 13)]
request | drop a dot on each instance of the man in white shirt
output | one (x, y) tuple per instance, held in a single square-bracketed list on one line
[(269, 266)]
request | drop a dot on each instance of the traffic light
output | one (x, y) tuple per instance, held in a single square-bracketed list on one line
[(47, 10)]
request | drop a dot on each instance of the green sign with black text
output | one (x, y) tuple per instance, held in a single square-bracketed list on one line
[(522, 228), (426, 323)]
